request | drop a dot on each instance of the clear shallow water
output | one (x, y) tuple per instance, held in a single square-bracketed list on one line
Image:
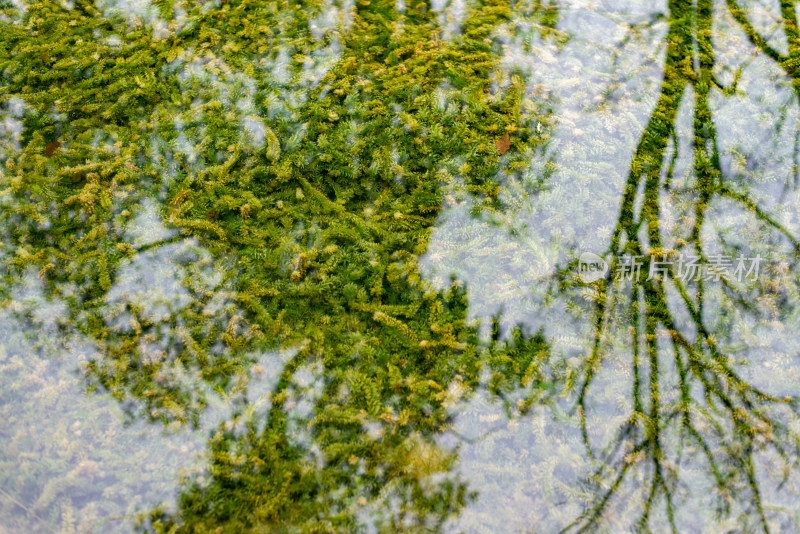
[(277, 267)]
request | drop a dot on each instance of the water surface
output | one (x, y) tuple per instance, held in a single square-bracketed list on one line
[(385, 266)]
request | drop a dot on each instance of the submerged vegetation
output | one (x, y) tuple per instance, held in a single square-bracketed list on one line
[(198, 195)]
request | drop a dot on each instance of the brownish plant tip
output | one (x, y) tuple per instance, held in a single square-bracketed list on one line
[(51, 147), (504, 144)]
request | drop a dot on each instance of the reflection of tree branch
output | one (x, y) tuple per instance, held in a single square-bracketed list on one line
[(719, 359), (28, 510), (755, 38), (632, 32), (731, 89), (161, 242), (789, 15), (761, 214), (729, 399), (477, 439), (647, 161)]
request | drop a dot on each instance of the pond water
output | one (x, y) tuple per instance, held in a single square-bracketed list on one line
[(395, 266)]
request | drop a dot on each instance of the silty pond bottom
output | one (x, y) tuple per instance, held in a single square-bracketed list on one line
[(395, 266)]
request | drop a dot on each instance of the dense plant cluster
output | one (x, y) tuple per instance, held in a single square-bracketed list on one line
[(258, 175)]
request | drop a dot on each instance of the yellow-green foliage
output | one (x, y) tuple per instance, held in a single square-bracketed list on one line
[(303, 146)]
